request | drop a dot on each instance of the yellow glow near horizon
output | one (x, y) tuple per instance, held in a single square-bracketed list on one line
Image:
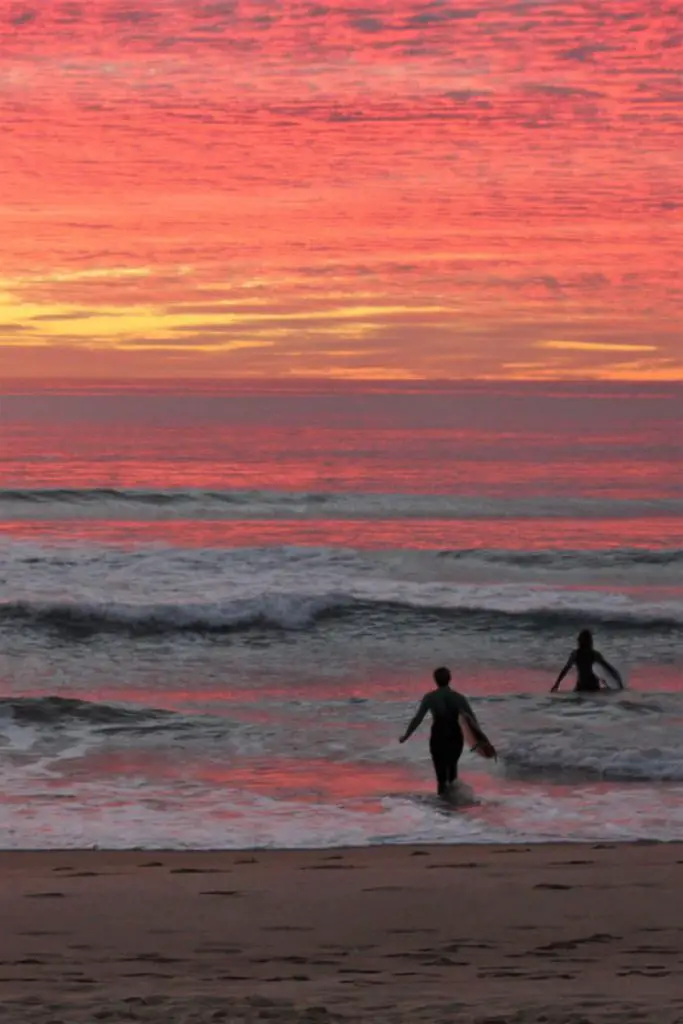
[(340, 198)]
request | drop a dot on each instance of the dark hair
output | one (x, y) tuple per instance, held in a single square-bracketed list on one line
[(442, 676), (585, 639)]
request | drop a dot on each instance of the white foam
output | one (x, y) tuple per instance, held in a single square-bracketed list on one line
[(135, 816), (617, 737), (295, 610), (16, 737), (165, 578)]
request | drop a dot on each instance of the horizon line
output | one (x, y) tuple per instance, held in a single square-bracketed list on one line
[(310, 379), (41, 383)]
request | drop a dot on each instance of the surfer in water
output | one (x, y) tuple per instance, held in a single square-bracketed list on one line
[(583, 659), (446, 741)]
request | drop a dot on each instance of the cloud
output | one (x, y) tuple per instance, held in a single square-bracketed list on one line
[(596, 346), (82, 314), (439, 186), (437, 14), (465, 95), (22, 16), (549, 89), (585, 52), (366, 23)]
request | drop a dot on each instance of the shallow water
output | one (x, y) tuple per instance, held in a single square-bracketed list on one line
[(218, 610)]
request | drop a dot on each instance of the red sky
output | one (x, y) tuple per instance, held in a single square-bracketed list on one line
[(370, 188)]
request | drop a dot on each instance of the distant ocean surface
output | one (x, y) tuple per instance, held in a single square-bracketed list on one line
[(220, 604)]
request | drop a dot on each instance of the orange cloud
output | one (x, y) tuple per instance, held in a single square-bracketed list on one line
[(233, 189), (596, 346)]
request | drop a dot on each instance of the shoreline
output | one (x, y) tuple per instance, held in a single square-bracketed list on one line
[(474, 933), (510, 845)]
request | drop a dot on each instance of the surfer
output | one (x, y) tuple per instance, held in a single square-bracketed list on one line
[(583, 659), (446, 741)]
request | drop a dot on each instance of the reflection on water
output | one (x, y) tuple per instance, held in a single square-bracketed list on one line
[(512, 534), (501, 440), (291, 622)]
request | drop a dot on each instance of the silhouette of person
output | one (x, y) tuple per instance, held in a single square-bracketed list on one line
[(583, 659), (446, 741)]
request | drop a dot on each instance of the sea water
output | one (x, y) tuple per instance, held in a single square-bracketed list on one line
[(220, 604)]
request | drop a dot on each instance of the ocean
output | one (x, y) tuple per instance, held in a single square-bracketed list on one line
[(221, 602)]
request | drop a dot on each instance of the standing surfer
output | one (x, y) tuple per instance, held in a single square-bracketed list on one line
[(583, 658), (446, 741)]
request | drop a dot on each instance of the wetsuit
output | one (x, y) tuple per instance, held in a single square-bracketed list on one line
[(446, 741), (583, 659), (445, 746), (586, 681)]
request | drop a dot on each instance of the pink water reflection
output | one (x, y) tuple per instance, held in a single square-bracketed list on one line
[(515, 534), (495, 440)]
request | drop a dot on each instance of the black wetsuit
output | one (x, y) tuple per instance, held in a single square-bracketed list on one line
[(446, 741), (445, 746), (583, 659), (586, 680)]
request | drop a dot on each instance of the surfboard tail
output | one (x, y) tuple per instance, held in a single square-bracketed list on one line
[(476, 739)]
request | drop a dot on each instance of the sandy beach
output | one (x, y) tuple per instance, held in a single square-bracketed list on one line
[(577, 934)]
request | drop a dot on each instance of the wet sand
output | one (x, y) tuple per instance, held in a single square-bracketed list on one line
[(581, 933)]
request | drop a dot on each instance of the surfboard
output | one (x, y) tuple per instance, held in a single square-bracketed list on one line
[(476, 739)]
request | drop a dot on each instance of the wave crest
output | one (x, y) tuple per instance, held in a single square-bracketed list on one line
[(254, 502), (290, 612), (55, 711)]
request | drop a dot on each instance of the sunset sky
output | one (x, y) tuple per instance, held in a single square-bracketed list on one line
[(364, 188)]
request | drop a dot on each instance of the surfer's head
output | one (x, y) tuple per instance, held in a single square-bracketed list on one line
[(585, 640), (442, 676)]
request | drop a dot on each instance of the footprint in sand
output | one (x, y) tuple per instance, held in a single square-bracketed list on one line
[(199, 871), (357, 970), (646, 972), (221, 892), (151, 958), (286, 928), (147, 974), (411, 931), (469, 864), (41, 934), (567, 863), (291, 977), (384, 888), (328, 867)]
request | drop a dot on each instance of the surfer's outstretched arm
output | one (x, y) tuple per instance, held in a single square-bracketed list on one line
[(417, 719), (568, 665), (611, 669)]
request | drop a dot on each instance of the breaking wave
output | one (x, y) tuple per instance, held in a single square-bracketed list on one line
[(627, 738), (56, 711), (610, 558), (235, 503), (283, 612)]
